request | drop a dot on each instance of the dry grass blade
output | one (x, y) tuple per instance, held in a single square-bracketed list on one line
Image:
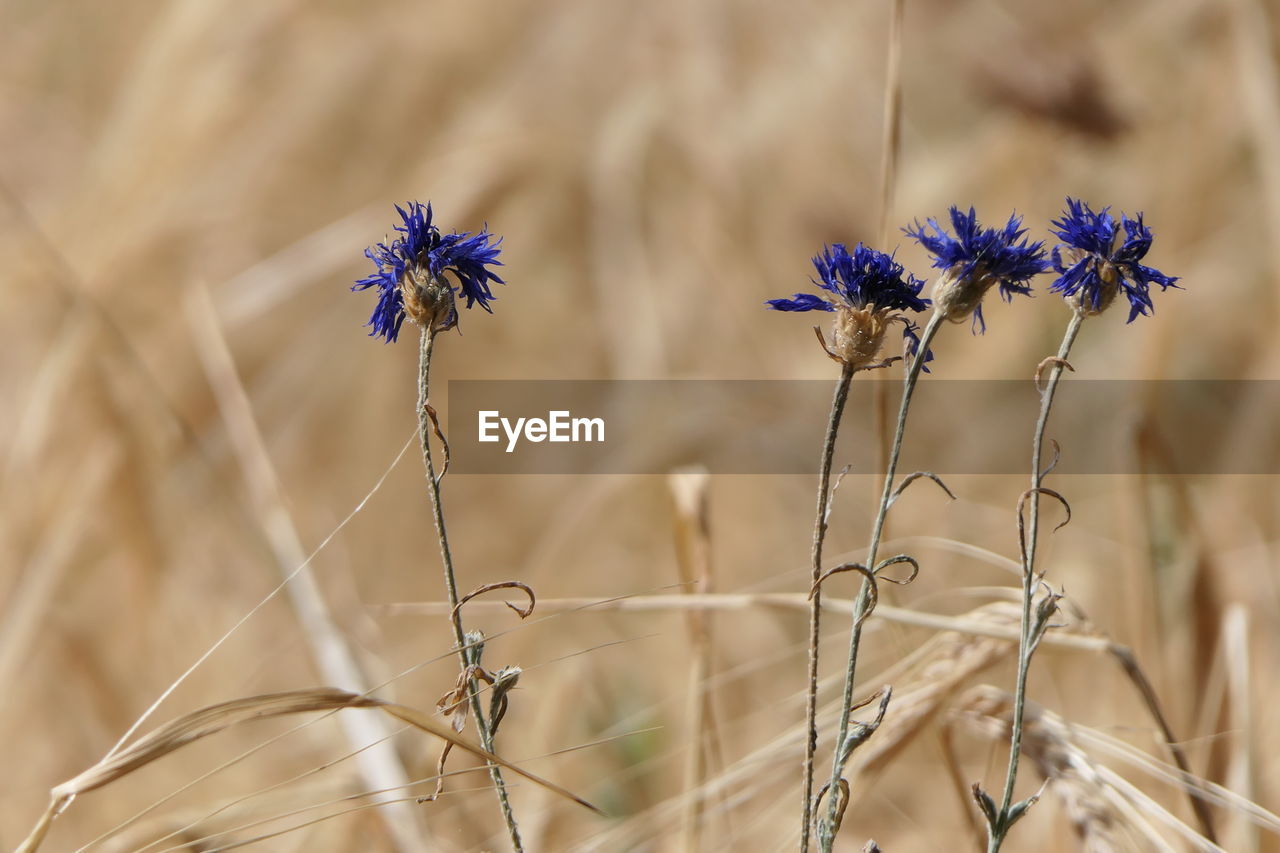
[(1242, 774), (769, 600), (940, 668), (333, 655), (945, 663), (1098, 825), (1106, 811), (689, 491), (423, 721), (983, 622), (126, 834), (1193, 784), (1210, 792), (215, 718), (205, 842), (890, 155), (891, 141)]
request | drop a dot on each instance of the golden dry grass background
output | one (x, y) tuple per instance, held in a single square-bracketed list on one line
[(656, 170)]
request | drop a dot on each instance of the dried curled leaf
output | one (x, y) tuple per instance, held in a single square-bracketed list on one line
[(1052, 360), (873, 589), (1053, 463), (895, 560), (859, 732), (490, 587), (841, 804), (1022, 521), (911, 478), (444, 442), (454, 701)]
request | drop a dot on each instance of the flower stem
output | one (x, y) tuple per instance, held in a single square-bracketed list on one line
[(451, 584), (838, 401), (827, 830), (1026, 645)]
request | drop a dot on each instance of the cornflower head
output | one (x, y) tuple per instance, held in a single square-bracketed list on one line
[(1095, 262), (417, 270), (975, 260), (867, 290)]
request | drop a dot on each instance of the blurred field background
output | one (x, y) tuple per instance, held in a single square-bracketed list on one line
[(657, 170)]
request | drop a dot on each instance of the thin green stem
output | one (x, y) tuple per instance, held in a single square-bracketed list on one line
[(838, 401), (451, 585), (1025, 640), (827, 830)]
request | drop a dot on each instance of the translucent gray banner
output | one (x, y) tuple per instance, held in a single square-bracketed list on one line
[(776, 427)]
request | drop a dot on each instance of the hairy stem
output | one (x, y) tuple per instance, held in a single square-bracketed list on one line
[(1025, 640), (827, 830), (838, 401), (451, 585)]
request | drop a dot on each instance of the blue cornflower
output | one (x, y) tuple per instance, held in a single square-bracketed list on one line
[(867, 288), (865, 279), (975, 260), (1093, 269), (411, 271)]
